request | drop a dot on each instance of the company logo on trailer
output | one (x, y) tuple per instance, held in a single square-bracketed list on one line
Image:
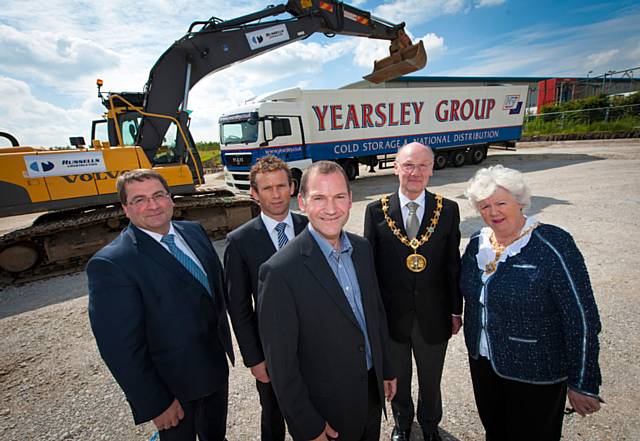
[(513, 104), (356, 116), (43, 166), (456, 110)]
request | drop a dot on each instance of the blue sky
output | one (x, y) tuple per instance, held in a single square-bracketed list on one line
[(51, 55)]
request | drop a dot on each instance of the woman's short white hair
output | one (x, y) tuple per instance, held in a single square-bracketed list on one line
[(487, 180)]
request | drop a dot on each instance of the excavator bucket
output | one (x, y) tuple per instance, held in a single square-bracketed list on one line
[(401, 61)]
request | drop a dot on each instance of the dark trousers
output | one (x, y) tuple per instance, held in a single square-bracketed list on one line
[(429, 364), (206, 417), (271, 420), (513, 410), (374, 410)]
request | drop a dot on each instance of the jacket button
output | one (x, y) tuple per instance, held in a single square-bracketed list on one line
[(361, 348)]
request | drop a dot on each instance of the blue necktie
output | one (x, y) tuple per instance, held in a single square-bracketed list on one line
[(186, 261), (282, 238)]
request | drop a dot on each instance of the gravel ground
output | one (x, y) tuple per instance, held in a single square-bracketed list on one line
[(54, 386)]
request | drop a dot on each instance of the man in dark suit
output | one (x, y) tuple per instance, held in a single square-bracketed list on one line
[(416, 237), (248, 247), (322, 322), (157, 310)]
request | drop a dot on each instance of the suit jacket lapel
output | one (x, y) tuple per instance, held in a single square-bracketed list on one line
[(298, 223), (395, 213), (203, 256), (263, 237), (147, 245), (429, 209), (317, 264), (364, 275)]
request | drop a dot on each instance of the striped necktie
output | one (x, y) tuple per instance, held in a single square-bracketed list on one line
[(282, 238), (186, 261)]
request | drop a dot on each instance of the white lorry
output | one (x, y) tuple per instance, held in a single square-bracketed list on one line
[(367, 126)]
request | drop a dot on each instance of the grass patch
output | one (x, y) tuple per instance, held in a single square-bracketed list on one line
[(559, 126), (209, 153)]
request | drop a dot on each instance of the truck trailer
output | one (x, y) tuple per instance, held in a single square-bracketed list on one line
[(367, 126)]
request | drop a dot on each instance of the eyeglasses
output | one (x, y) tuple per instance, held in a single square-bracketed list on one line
[(141, 201), (409, 167)]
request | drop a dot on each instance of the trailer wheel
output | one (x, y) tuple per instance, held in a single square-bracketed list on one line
[(296, 175), (478, 154), (458, 158), (350, 168), (439, 161)]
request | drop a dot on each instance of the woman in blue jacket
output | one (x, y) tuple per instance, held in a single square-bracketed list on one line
[(531, 322)]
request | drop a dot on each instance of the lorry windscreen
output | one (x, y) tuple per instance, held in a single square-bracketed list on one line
[(239, 132)]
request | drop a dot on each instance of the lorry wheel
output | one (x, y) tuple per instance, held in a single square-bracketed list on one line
[(296, 175), (458, 158), (439, 161), (350, 168), (478, 154)]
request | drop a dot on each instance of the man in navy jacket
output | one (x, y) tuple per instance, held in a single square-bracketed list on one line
[(157, 310), (248, 247)]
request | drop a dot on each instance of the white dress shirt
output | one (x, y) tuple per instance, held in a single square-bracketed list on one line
[(271, 224), (179, 241), (420, 200)]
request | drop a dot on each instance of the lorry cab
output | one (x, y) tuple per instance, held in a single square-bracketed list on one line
[(263, 127)]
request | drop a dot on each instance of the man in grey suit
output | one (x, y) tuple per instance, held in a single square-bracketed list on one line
[(248, 247), (322, 323), (157, 310)]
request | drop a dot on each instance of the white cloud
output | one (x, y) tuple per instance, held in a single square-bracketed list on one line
[(601, 59), (634, 53), (51, 56), (37, 122), (486, 3), (414, 12), (433, 44)]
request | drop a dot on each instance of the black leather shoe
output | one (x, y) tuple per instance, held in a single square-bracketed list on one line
[(400, 435), (433, 436)]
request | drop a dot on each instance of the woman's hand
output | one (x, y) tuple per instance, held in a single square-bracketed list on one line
[(583, 404)]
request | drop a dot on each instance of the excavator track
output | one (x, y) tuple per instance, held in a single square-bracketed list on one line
[(61, 242)]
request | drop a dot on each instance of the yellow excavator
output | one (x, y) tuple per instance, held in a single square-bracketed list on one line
[(76, 187)]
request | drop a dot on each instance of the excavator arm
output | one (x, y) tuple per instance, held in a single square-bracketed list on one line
[(212, 45)]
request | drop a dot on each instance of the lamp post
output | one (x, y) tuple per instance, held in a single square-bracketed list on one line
[(589, 90)]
